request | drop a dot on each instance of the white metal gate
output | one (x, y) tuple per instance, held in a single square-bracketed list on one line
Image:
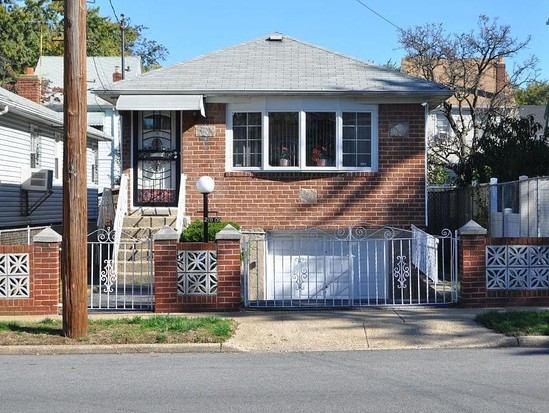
[(355, 266), (120, 277)]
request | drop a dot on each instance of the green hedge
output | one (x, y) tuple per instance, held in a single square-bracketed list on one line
[(194, 232)]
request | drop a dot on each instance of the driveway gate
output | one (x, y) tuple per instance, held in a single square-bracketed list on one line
[(356, 266), (120, 275)]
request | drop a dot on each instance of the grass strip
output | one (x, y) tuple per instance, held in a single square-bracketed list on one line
[(134, 330), (515, 322)]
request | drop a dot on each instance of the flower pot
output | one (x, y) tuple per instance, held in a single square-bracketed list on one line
[(283, 162), (321, 162)]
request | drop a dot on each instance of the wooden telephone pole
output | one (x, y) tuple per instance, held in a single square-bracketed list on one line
[(75, 219)]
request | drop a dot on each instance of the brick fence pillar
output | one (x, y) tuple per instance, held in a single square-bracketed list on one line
[(472, 254), (165, 270), (47, 271), (228, 269)]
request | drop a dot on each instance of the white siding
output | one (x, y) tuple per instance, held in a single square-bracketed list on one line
[(15, 155)]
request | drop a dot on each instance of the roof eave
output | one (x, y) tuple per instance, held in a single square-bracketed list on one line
[(433, 97)]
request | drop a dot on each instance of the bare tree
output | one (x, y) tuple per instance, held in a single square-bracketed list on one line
[(472, 65)]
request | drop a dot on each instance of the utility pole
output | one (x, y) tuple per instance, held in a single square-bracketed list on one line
[(75, 219), (122, 44)]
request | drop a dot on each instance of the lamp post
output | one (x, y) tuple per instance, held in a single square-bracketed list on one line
[(205, 185)]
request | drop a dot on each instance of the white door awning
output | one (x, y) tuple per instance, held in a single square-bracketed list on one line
[(161, 102)]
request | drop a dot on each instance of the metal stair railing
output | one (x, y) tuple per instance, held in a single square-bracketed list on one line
[(180, 219), (121, 208)]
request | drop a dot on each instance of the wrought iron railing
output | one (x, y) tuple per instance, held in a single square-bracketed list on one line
[(119, 284), (355, 266)]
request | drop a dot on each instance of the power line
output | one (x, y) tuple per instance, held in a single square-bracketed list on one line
[(114, 11), (379, 15)]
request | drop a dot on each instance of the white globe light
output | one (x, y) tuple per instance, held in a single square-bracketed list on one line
[(205, 184)]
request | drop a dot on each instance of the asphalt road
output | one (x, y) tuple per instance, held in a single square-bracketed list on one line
[(466, 380)]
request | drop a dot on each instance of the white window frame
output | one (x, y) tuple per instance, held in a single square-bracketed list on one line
[(35, 147), (58, 160), (302, 106)]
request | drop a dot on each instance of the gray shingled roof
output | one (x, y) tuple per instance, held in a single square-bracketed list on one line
[(35, 112), (267, 66), (99, 71)]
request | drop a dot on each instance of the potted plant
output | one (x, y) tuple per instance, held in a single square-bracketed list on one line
[(319, 155), (284, 156)]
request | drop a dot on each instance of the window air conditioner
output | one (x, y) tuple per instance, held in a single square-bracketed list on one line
[(36, 179)]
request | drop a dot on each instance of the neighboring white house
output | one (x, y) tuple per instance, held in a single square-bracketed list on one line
[(31, 142), (101, 72)]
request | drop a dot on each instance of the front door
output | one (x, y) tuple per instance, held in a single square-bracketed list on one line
[(156, 159)]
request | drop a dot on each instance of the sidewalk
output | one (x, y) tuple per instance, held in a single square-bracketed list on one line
[(364, 329), (331, 330)]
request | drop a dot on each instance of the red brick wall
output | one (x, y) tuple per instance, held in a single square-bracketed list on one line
[(166, 298), (44, 281), (394, 195), (474, 293)]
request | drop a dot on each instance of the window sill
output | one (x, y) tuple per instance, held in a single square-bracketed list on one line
[(325, 171)]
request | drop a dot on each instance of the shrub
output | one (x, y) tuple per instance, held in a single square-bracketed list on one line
[(194, 232)]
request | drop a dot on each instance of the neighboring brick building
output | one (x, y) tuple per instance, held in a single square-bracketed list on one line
[(294, 136)]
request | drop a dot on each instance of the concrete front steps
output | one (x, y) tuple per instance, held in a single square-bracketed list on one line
[(145, 222), (135, 253)]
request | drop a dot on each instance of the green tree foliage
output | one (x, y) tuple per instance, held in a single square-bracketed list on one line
[(31, 28), (536, 93), (510, 147)]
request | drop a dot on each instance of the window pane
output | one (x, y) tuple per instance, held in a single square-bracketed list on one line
[(247, 139), (364, 146), (363, 161), (320, 138), (363, 133), (283, 138), (363, 119), (349, 132), (157, 121), (239, 119), (349, 119), (357, 139), (349, 146)]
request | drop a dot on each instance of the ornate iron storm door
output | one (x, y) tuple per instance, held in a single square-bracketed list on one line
[(156, 159)]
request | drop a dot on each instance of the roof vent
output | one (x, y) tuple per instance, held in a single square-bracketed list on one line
[(275, 37)]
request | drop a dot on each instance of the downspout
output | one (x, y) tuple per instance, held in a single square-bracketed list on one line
[(426, 108), (5, 110)]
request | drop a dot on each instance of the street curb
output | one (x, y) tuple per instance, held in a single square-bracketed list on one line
[(117, 349), (533, 341)]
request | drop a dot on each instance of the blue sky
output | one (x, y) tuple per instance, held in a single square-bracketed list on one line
[(193, 28)]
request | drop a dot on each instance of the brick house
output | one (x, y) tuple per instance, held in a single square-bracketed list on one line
[(294, 135)]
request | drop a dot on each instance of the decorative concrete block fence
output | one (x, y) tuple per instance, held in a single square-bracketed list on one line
[(498, 272), (194, 276), (30, 276)]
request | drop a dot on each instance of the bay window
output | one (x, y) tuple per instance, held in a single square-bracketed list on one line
[(293, 140)]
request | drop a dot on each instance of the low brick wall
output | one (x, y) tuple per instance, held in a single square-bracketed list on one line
[(475, 291), (170, 297), (30, 279)]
